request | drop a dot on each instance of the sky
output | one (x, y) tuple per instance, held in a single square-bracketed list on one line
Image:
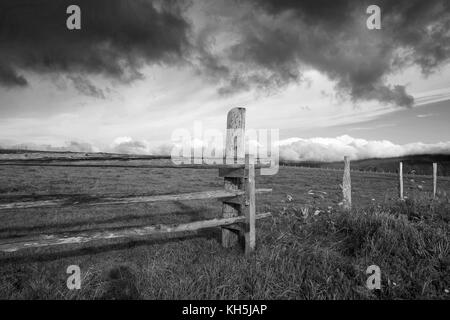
[(138, 70)]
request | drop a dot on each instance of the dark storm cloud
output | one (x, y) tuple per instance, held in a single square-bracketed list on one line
[(85, 86), (279, 38), (9, 77), (262, 44), (116, 39)]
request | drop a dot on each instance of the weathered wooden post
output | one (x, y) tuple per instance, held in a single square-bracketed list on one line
[(347, 185), (434, 179), (250, 210), (233, 179), (400, 177)]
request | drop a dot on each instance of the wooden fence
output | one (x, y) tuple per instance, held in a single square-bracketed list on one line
[(237, 198), (347, 186), (400, 177)]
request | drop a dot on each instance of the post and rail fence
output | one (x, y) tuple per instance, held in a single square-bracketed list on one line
[(237, 197), (347, 187)]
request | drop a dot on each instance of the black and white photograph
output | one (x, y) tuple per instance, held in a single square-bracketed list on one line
[(235, 152)]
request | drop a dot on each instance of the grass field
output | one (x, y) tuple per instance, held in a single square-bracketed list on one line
[(309, 249)]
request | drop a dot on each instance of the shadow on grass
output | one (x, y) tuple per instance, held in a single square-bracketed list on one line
[(194, 215), (30, 256), (119, 284)]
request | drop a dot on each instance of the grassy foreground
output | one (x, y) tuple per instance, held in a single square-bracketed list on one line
[(300, 256)]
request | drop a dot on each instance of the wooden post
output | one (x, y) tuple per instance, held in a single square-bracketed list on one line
[(234, 149), (347, 185), (250, 210), (434, 179), (400, 177)]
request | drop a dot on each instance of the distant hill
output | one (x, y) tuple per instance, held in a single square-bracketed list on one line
[(418, 164), (33, 155)]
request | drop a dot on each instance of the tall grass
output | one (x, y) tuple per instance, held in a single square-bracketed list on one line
[(299, 256)]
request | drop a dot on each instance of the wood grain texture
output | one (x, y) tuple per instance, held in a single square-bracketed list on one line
[(400, 180), (434, 179), (15, 244), (250, 210), (98, 201), (347, 185), (139, 166), (234, 150)]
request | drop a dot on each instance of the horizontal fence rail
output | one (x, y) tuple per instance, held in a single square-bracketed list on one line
[(141, 166), (15, 244), (67, 157), (130, 158), (93, 201), (365, 172)]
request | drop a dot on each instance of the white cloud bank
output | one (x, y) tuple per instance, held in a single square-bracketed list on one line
[(298, 149), (334, 149), (122, 145), (70, 146), (128, 145)]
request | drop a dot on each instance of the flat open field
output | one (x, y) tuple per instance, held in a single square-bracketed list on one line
[(309, 249)]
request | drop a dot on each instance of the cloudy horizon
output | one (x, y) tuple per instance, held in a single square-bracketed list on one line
[(321, 149), (138, 70)]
